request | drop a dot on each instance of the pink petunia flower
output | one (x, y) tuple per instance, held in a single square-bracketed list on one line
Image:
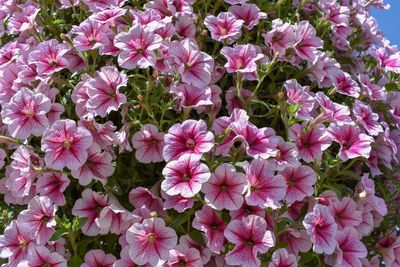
[(184, 176), (15, 241), (265, 189), (249, 13), (246, 210), (250, 237), (25, 114), (189, 138), (39, 256), (225, 27), (65, 145), (90, 35), (235, 99), (321, 228), (281, 258), (177, 202), (225, 188), (205, 252), (48, 57), (307, 43), (103, 134), (89, 206), (299, 181), (281, 37), (310, 143), (373, 91), (332, 111), (98, 166), (349, 251), (300, 95), (137, 47), (141, 196), (97, 257), (207, 221), (39, 217), (345, 85), (53, 185), (184, 255), (80, 96), (298, 240), (194, 66), (242, 59), (352, 142), (103, 91), (150, 241), (191, 96), (345, 213), (287, 155), (368, 119), (24, 20)]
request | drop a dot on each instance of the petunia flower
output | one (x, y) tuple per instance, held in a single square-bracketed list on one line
[(352, 142), (97, 257), (194, 66), (307, 42), (184, 176), (373, 91), (300, 95), (39, 217), (25, 114), (141, 196), (298, 240), (281, 258), (345, 213), (184, 255), (205, 252), (53, 186), (265, 189), (23, 20), (90, 35), (103, 91), (300, 181), (249, 13), (368, 119), (235, 99), (332, 111), (49, 57), (207, 221), (189, 138), (250, 237), (103, 134), (225, 188), (281, 37), (321, 228), (345, 85), (246, 210), (39, 256), (65, 145), (137, 47), (286, 155), (177, 202), (150, 241), (225, 27), (191, 96)]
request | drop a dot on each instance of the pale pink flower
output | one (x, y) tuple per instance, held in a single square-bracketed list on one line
[(125, 260), (80, 96), (103, 91), (310, 143), (137, 47), (225, 188), (141, 196), (345, 85), (191, 96), (234, 100), (249, 13), (300, 95), (184, 176), (352, 142), (48, 57), (65, 145), (298, 240), (185, 27), (3, 155), (281, 258), (184, 255), (300, 181), (332, 111), (194, 66), (209, 222), (39, 256), (368, 119), (90, 35), (225, 27), (39, 217), (97, 257), (220, 124), (189, 138), (345, 213), (387, 246), (250, 237), (235, 2), (53, 185), (322, 229), (15, 241), (205, 252), (242, 59), (246, 210), (287, 155), (25, 114), (307, 43), (150, 241), (89, 206), (98, 166), (24, 20), (8, 86), (281, 37), (109, 16), (177, 202), (265, 188), (149, 144)]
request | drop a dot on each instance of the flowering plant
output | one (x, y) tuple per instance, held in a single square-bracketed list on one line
[(198, 133)]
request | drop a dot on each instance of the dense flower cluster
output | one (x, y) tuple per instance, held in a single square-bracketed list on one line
[(198, 133)]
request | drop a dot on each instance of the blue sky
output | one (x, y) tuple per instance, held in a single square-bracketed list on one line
[(389, 21)]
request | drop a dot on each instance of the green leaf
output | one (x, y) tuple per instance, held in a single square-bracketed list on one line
[(293, 109), (181, 219), (75, 261), (58, 234), (198, 237), (392, 87)]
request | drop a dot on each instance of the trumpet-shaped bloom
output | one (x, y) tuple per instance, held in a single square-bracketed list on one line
[(299, 181), (300, 95), (39, 256), (281, 37), (224, 27), (345, 213), (183, 255), (66, 145), (250, 237), (192, 97), (53, 186), (321, 228), (287, 155), (345, 85), (332, 111), (150, 241), (307, 43), (97, 257), (184, 176), (189, 138), (225, 188), (149, 144), (368, 119), (249, 13), (103, 92), (207, 221), (265, 189), (137, 47), (90, 34), (25, 114), (281, 258)]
